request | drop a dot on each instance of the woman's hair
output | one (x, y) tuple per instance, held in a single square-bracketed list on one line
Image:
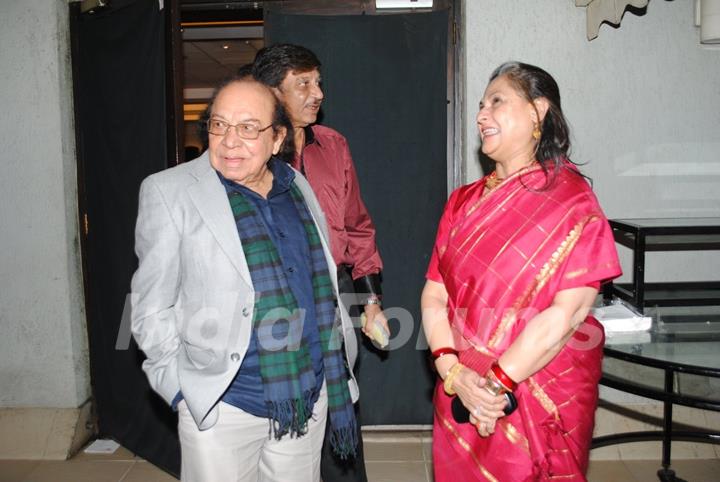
[(533, 82), (280, 118)]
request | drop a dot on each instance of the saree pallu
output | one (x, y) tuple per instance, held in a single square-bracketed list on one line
[(502, 257)]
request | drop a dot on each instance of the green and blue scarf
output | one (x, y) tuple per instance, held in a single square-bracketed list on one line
[(283, 349)]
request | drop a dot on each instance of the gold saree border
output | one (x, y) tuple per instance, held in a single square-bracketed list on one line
[(466, 446), (514, 436), (545, 401), (547, 270)]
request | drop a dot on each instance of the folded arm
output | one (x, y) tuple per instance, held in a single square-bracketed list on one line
[(547, 333)]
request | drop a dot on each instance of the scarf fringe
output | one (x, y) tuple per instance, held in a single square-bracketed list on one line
[(344, 441), (290, 416)]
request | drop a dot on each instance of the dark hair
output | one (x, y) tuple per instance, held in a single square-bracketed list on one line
[(244, 70), (533, 82), (280, 118), (273, 63)]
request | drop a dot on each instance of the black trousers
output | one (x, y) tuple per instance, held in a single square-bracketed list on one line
[(332, 468)]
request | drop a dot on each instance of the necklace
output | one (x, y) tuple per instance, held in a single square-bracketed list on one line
[(493, 181)]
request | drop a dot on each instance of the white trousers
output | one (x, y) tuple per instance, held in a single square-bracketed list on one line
[(238, 448)]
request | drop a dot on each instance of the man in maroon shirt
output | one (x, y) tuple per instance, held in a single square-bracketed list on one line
[(323, 156)]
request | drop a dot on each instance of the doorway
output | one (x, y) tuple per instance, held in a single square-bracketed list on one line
[(396, 127), (127, 101)]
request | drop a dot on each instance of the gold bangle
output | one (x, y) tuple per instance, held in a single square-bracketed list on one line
[(451, 374)]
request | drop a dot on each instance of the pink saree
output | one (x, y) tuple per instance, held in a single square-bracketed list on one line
[(502, 257)]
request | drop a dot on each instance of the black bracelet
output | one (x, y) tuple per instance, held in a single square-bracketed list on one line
[(369, 284), (462, 415), (512, 403)]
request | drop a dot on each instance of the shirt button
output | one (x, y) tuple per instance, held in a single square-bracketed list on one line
[(235, 357), (291, 269), (281, 234), (245, 312)]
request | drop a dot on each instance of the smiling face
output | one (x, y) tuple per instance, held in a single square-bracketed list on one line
[(506, 121), (301, 95), (242, 160)]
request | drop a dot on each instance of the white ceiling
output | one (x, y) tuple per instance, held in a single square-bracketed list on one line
[(208, 62)]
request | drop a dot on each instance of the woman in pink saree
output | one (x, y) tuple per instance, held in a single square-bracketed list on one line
[(518, 261)]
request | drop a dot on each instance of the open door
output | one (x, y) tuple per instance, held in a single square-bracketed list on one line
[(385, 80), (123, 131)]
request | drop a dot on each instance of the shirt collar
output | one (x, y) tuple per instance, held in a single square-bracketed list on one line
[(283, 177), (310, 136)]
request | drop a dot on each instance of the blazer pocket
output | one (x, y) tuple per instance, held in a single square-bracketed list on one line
[(201, 358)]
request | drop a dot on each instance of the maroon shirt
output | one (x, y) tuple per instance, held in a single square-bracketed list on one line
[(327, 164)]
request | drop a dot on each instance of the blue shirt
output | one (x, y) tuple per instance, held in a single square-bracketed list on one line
[(286, 230)]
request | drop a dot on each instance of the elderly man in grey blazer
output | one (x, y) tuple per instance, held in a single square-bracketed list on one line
[(235, 302)]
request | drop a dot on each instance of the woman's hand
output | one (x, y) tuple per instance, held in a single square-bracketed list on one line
[(484, 407)]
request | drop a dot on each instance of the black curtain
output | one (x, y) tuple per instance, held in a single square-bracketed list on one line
[(119, 70), (385, 83)]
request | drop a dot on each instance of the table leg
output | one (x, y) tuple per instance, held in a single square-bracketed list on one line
[(666, 474), (639, 272)]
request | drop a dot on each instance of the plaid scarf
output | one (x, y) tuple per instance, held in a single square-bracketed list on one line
[(285, 364)]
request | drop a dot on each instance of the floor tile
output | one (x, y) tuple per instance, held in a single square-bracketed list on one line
[(693, 419), (16, 470), (697, 470), (24, 432), (61, 434), (392, 436), (390, 457), (611, 452), (80, 471), (640, 450), (644, 470), (429, 469), (609, 470), (396, 471), (691, 450), (394, 451), (147, 472), (690, 470), (427, 449)]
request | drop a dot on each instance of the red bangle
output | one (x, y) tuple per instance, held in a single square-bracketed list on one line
[(502, 377), (446, 350)]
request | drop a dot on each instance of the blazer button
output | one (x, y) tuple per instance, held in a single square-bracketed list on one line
[(245, 312), (235, 357)]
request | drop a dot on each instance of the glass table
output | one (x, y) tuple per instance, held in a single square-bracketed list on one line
[(686, 366)]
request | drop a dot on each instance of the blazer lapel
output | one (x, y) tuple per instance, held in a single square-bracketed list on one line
[(210, 199)]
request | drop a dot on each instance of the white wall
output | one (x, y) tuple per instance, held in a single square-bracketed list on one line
[(643, 101), (43, 347)]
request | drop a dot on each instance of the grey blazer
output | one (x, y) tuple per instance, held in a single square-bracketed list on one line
[(192, 295)]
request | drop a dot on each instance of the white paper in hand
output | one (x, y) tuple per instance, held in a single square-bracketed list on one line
[(377, 332)]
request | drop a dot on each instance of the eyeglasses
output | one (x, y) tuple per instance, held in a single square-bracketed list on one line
[(217, 127)]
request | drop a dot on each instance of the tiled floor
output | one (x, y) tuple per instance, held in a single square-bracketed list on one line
[(390, 457)]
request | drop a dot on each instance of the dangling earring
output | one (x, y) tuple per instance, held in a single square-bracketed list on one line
[(536, 133)]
